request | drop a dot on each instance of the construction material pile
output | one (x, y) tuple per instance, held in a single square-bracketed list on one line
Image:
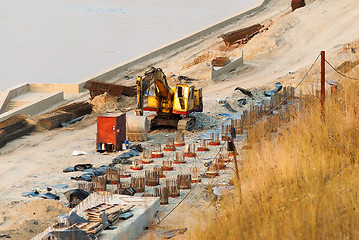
[(14, 127), (105, 103), (97, 88), (241, 36), (220, 61), (64, 114), (297, 4)]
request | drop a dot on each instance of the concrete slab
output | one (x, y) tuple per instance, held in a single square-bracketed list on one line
[(144, 212)]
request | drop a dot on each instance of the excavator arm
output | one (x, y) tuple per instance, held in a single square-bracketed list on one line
[(153, 76)]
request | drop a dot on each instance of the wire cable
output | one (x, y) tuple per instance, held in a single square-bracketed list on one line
[(248, 124), (341, 74), (279, 104)]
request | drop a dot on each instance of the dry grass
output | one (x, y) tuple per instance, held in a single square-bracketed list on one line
[(301, 182)]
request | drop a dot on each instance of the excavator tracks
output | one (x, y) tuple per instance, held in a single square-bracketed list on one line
[(186, 123)]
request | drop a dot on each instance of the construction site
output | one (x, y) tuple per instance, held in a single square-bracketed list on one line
[(137, 152)]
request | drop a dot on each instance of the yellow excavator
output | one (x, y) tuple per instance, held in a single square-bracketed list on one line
[(172, 105)]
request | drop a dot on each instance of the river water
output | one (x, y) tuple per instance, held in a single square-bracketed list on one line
[(65, 41)]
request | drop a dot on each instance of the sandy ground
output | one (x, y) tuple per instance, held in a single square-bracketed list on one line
[(283, 53)]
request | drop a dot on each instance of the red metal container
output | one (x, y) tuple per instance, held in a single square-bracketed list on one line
[(111, 132)]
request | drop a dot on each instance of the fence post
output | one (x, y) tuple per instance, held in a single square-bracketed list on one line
[(322, 81)]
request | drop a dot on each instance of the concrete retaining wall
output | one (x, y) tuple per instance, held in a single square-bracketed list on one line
[(112, 74), (7, 95), (35, 107), (55, 87), (216, 72)]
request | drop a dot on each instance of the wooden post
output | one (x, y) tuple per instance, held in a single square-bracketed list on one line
[(322, 81)]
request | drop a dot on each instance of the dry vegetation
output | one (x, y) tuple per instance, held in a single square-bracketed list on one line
[(301, 182)]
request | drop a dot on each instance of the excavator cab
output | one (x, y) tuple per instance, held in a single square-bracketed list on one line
[(172, 104)]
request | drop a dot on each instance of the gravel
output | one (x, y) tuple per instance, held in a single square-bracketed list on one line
[(203, 120)]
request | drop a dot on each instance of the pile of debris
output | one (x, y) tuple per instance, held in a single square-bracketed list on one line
[(94, 220), (241, 36), (65, 114), (105, 103), (220, 61), (97, 88), (297, 4), (14, 127), (203, 120)]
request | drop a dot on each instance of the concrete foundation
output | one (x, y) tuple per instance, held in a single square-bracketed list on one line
[(233, 65), (144, 211)]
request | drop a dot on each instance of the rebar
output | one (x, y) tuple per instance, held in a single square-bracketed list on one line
[(203, 146), (138, 183), (162, 193), (190, 150), (112, 175), (214, 139), (137, 164), (179, 157), (173, 187), (151, 178), (195, 175), (147, 156), (170, 145), (99, 183), (167, 165), (157, 151), (87, 186), (184, 181), (159, 170), (179, 139)]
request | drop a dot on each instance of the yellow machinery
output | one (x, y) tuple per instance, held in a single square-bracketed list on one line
[(172, 105)]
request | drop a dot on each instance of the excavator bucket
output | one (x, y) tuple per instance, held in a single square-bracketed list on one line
[(137, 128)]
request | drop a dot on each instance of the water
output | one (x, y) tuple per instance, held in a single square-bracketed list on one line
[(69, 40)]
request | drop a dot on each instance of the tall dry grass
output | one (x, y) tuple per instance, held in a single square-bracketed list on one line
[(301, 182)]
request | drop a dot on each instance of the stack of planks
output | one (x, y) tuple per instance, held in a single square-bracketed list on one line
[(112, 212), (64, 114), (14, 127), (90, 227), (101, 216)]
